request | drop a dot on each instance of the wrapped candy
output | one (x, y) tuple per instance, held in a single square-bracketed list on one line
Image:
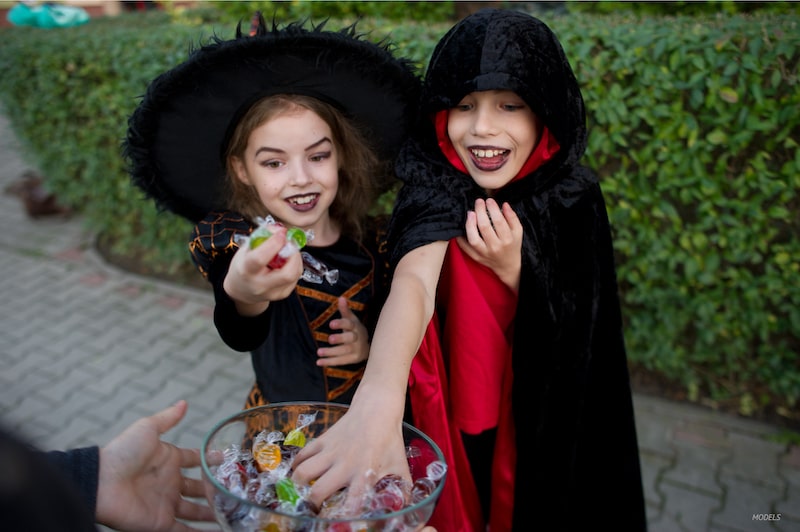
[(296, 239), (263, 475), (314, 271)]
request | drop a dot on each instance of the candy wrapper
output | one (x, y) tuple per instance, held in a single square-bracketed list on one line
[(314, 271)]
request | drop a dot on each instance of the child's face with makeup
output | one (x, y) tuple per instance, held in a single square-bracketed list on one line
[(494, 133), (292, 162)]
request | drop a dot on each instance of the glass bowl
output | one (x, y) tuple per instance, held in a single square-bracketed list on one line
[(243, 485)]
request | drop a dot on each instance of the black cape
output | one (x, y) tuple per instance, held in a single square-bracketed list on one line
[(578, 459)]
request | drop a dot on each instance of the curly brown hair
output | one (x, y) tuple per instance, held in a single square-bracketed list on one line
[(359, 165)]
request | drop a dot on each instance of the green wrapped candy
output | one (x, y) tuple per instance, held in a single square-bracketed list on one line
[(295, 240), (258, 236), (296, 438), (286, 491)]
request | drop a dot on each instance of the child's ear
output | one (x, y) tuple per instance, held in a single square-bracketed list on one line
[(240, 170)]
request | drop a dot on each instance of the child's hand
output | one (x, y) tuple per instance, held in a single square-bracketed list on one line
[(252, 284), (494, 239), (350, 345), (364, 445)]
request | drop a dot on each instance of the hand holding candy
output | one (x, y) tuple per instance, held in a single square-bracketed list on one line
[(252, 284), (296, 238), (349, 346), (314, 271)]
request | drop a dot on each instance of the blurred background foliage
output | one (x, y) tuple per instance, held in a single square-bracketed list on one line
[(694, 117)]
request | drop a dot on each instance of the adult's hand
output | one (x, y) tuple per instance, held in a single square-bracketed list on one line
[(141, 486)]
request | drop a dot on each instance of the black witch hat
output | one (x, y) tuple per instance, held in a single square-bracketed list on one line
[(179, 132)]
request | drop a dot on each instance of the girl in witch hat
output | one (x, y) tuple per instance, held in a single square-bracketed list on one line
[(300, 124)]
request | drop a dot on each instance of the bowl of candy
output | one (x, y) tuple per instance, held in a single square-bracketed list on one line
[(247, 465)]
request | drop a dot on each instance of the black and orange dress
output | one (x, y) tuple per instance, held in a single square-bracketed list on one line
[(284, 339)]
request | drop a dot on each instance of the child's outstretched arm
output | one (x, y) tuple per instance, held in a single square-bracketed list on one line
[(494, 239), (367, 442)]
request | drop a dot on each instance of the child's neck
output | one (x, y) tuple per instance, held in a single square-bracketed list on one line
[(326, 235)]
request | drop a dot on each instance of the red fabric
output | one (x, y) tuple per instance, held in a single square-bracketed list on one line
[(476, 343), (458, 508), (478, 336), (504, 461), (440, 122), (480, 398), (480, 312)]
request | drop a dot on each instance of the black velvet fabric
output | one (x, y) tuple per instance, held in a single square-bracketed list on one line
[(578, 460)]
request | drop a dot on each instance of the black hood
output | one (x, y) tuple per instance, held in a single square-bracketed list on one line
[(499, 49)]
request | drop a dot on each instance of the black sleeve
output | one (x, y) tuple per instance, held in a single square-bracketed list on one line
[(41, 492), (212, 246), (239, 332), (213, 241), (82, 469)]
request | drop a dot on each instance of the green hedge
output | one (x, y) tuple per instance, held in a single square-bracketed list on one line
[(694, 129), (695, 124)]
